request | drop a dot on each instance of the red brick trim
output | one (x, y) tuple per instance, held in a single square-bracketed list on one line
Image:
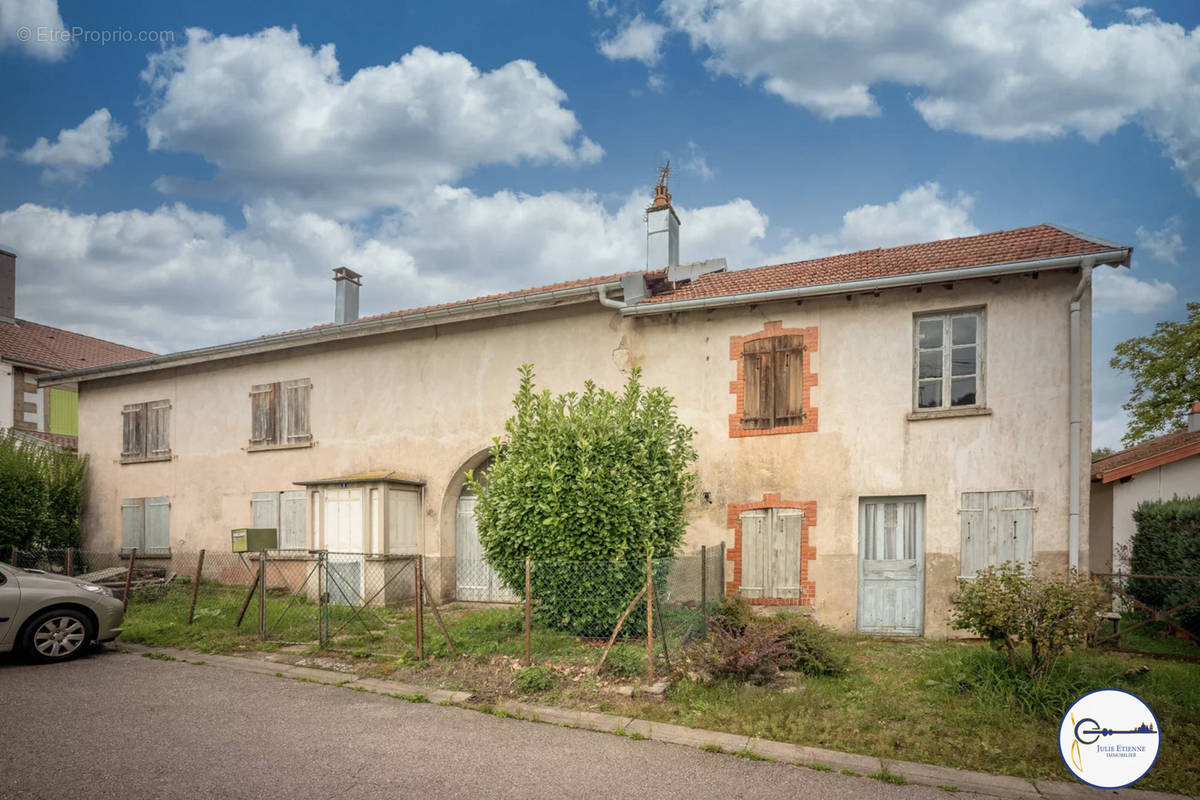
[(738, 386), (808, 589)]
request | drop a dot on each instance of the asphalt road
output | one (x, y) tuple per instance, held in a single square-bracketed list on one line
[(113, 725)]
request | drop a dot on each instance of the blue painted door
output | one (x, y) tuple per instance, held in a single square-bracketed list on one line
[(891, 565)]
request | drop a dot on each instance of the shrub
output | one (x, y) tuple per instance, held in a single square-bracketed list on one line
[(625, 662), (1167, 542), (530, 680), (753, 654), (811, 648), (42, 490), (1011, 606), (743, 647), (586, 485)]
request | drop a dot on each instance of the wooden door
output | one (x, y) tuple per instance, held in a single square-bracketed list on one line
[(891, 565)]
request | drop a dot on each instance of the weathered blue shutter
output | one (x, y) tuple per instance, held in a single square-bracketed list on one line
[(158, 516), (755, 553), (133, 523)]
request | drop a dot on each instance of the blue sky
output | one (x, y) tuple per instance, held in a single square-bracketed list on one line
[(195, 180)]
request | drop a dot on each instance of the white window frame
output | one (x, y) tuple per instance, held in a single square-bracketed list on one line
[(947, 349)]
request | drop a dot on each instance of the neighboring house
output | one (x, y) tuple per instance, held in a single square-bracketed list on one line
[(870, 426), (27, 350), (1158, 469)]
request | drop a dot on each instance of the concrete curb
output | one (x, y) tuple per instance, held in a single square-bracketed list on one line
[(850, 763)]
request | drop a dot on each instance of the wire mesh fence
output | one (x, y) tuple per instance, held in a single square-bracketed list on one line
[(401, 604)]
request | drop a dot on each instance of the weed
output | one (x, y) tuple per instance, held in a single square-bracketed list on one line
[(851, 773), (750, 755), (199, 663), (636, 736), (159, 656), (278, 674), (410, 697), (818, 766), (712, 748), (889, 777), (530, 680), (945, 787), (445, 702), (625, 662)]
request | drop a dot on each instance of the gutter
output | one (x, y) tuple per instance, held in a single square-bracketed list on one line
[(1116, 257), (330, 333)]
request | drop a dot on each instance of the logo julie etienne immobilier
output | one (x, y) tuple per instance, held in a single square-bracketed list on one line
[(1109, 738)]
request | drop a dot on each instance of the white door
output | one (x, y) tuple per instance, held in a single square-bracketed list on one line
[(891, 565), (475, 577), (343, 527)]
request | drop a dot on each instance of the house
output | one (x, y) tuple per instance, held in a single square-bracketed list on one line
[(870, 426), (29, 349), (1158, 469)]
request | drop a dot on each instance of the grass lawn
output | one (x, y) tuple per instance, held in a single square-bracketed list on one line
[(950, 703)]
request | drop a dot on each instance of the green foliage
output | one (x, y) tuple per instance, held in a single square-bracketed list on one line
[(1165, 367), (624, 661), (1012, 606), (530, 680), (43, 491), (1167, 542), (745, 647), (810, 647), (586, 485)]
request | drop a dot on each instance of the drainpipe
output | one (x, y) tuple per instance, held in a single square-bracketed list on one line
[(605, 300), (1076, 392)]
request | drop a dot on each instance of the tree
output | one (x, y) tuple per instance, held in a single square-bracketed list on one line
[(1166, 376), (586, 485), (41, 492)]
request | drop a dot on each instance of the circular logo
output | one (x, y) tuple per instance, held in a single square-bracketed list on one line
[(1109, 738)]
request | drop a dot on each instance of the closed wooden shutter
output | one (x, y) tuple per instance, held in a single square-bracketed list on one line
[(263, 409), (996, 527), (293, 528), (973, 530), (264, 510), (758, 384), (789, 380), (133, 436), (755, 553), (296, 402), (158, 517), (786, 529), (158, 429), (133, 523)]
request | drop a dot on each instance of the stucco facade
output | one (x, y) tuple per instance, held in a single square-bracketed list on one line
[(1120, 499), (426, 402)]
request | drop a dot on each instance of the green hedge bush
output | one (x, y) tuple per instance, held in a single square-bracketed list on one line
[(41, 492), (586, 485), (1167, 542)]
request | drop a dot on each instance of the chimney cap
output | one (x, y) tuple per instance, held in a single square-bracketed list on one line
[(347, 274), (662, 198)]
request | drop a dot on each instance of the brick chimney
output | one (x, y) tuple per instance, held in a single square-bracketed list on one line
[(8, 285), (662, 227), (345, 308), (1194, 418)]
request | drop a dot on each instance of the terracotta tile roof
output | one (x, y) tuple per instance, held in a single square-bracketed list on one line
[(1022, 244), (1147, 455), (652, 277), (55, 348)]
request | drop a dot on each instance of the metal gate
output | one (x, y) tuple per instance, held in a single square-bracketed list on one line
[(475, 578)]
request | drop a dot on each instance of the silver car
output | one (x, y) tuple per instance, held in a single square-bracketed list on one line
[(53, 617)]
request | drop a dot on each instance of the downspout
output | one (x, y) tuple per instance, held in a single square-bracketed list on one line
[(605, 300), (1076, 403)]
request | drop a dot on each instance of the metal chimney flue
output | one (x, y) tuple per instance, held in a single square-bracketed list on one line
[(346, 303), (1194, 418)]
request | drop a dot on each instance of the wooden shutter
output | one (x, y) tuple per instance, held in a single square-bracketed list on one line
[(293, 519), (789, 380), (1010, 527), (264, 510), (296, 403), (758, 384), (973, 531), (755, 553), (784, 572), (133, 436), (158, 428), (158, 517), (133, 523), (263, 408), (404, 520)]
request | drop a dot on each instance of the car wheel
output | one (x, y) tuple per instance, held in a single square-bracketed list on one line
[(58, 635)]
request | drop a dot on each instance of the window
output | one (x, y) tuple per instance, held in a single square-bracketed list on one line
[(279, 414), (404, 520), (146, 431), (283, 511), (145, 524), (773, 371), (948, 360), (771, 552), (996, 527)]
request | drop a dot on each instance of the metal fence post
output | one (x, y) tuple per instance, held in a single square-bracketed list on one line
[(649, 619), (322, 599), (70, 562), (196, 587), (528, 609), (262, 595), (704, 588), (420, 609), (129, 576)]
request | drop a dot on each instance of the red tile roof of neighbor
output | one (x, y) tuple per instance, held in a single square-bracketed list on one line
[(1022, 244), (41, 345), (1147, 455)]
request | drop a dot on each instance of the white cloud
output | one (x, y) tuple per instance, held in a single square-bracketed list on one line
[(278, 119), (77, 150), (1026, 70), (697, 163), (639, 39), (1166, 243), (1108, 429), (920, 214), (1114, 290), (35, 27)]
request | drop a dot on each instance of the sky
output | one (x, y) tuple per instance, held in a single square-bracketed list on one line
[(177, 175)]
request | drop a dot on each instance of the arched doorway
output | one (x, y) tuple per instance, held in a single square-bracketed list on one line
[(475, 579)]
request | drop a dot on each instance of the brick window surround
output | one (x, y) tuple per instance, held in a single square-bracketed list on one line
[(738, 386), (808, 588)]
